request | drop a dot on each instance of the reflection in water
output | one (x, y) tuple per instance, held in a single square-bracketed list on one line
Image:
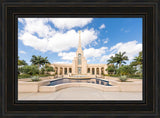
[(92, 80)]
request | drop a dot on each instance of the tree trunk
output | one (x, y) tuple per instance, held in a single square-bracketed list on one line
[(119, 65)]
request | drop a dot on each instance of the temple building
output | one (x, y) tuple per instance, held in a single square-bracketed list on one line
[(79, 65)]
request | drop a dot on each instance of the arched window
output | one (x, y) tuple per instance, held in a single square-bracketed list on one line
[(79, 59)]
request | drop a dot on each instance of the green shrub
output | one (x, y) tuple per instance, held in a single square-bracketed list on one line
[(111, 69), (123, 78), (35, 78), (126, 70), (24, 76), (116, 75), (42, 70), (32, 69)]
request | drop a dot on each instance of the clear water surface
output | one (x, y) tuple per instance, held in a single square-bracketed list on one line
[(92, 80)]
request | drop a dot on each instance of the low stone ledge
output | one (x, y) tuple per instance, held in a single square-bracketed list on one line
[(30, 86), (67, 85)]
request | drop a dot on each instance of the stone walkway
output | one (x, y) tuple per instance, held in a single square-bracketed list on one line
[(81, 93)]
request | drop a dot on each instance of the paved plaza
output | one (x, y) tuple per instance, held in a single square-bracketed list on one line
[(81, 93)]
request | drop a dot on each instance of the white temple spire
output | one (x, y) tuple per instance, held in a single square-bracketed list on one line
[(79, 45)]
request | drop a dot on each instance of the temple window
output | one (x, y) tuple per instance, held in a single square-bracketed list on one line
[(79, 59)]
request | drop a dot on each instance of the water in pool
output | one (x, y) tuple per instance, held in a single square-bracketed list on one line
[(92, 80)]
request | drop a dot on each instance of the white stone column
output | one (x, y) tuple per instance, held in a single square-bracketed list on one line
[(67, 70), (99, 70), (91, 70), (95, 71), (105, 67), (58, 70), (62, 70)]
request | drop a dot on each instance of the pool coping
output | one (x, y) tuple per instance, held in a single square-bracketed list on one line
[(41, 86)]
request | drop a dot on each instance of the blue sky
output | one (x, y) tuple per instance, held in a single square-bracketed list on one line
[(57, 38)]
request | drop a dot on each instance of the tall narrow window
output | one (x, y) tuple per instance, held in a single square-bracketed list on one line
[(79, 59), (79, 70)]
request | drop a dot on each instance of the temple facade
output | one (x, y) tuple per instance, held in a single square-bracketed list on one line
[(79, 65)]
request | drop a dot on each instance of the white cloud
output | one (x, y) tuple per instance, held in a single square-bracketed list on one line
[(21, 20), (88, 60), (92, 52), (106, 40), (22, 52), (41, 36), (104, 58), (88, 53), (132, 48), (102, 26), (61, 62), (32, 41), (67, 56), (68, 23), (38, 26)]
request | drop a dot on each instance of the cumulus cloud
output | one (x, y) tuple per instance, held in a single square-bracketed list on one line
[(88, 53), (21, 20), (132, 48), (68, 23), (22, 52), (67, 56), (41, 36), (92, 52), (38, 26), (61, 62), (102, 26), (104, 58)]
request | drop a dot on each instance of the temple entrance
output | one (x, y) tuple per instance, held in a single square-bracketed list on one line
[(79, 70)]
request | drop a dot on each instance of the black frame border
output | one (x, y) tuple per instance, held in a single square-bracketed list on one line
[(148, 10)]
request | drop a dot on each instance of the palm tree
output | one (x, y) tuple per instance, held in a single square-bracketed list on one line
[(111, 60), (21, 62), (38, 60), (139, 60), (120, 58), (45, 61)]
